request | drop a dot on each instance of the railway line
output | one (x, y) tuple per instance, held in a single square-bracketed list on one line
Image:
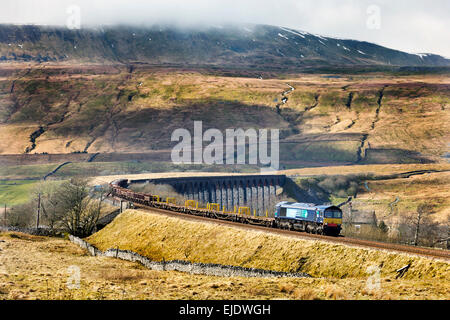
[(259, 223), (426, 252)]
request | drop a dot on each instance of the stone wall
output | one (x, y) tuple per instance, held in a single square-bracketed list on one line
[(185, 266)]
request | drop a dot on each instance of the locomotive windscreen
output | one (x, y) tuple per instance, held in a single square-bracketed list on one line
[(333, 213)]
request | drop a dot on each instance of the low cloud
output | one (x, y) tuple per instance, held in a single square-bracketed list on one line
[(408, 25)]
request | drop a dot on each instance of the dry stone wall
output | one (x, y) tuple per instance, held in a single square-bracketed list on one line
[(185, 266)]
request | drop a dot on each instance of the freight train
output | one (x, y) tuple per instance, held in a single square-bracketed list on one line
[(310, 218)]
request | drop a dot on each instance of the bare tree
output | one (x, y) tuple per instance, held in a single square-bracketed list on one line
[(443, 238), (21, 216), (81, 207), (422, 214), (405, 228), (49, 203), (419, 228), (446, 238)]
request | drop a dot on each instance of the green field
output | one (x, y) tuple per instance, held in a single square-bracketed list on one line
[(14, 192), (34, 171), (111, 168), (22, 179)]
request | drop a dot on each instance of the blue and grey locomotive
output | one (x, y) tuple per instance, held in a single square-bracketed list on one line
[(320, 219)]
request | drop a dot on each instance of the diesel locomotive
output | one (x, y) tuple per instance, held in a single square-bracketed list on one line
[(311, 218)]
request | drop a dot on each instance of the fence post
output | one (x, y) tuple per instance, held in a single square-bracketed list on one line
[(38, 210)]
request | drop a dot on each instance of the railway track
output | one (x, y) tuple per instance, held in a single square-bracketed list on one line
[(266, 224), (426, 252)]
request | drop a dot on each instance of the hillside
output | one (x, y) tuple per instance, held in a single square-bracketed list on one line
[(160, 237), (124, 90), (166, 238), (234, 46), (38, 267), (341, 119)]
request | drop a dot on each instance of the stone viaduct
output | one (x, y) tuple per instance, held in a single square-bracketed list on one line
[(255, 191)]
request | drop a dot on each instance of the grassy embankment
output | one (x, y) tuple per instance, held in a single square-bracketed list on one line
[(160, 237), (37, 267)]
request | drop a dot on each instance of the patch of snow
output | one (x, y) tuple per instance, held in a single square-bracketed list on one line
[(20, 45), (421, 55), (319, 36), (248, 30), (293, 32), (302, 56), (338, 45), (345, 48), (283, 36), (322, 42), (361, 52)]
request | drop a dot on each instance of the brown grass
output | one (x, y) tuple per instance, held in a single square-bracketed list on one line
[(160, 237), (305, 294), (413, 116), (432, 189), (375, 169), (37, 269)]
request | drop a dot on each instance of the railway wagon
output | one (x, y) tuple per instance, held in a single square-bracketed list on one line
[(319, 219), (311, 218)]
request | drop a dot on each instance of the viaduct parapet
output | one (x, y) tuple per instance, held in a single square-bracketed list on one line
[(255, 191)]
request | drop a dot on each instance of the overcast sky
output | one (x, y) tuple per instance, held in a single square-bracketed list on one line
[(415, 26)]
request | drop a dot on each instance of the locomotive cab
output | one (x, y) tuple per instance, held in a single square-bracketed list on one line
[(332, 220)]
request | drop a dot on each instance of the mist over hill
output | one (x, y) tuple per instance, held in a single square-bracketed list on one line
[(236, 46)]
